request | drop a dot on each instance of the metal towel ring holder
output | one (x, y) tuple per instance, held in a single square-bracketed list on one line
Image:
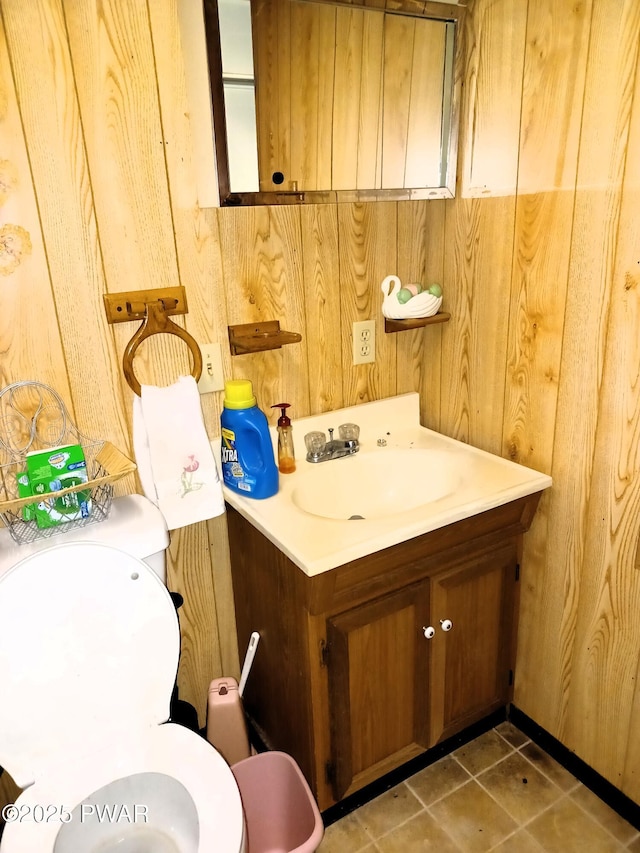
[(155, 322)]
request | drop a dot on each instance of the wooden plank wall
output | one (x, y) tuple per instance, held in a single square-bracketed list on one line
[(538, 256), (347, 98), (541, 356)]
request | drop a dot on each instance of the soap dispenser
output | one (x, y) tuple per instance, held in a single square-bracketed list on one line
[(286, 455)]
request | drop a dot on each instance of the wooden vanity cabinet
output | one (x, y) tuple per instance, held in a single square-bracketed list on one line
[(345, 678), (394, 690)]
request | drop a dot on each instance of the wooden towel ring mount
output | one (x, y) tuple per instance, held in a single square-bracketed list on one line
[(154, 308)]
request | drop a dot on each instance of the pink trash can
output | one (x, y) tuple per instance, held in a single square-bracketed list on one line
[(280, 812)]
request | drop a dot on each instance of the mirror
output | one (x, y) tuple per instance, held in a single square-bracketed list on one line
[(328, 100)]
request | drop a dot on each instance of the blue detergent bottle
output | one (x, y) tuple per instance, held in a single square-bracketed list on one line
[(248, 460)]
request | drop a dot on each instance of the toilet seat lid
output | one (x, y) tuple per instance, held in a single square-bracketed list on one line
[(89, 646)]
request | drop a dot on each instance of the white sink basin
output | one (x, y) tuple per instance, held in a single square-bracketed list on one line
[(326, 514), (377, 484)]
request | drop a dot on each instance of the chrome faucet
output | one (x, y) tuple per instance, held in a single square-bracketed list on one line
[(321, 450)]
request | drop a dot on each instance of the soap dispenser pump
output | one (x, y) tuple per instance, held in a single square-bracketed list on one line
[(286, 456)]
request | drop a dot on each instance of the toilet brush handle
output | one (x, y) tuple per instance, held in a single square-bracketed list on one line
[(248, 661)]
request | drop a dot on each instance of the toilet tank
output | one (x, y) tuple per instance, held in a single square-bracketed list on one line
[(134, 525)]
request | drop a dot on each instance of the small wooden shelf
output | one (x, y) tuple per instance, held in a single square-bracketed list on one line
[(417, 323), (257, 337)]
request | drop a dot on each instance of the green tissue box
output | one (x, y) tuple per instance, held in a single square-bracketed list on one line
[(52, 470)]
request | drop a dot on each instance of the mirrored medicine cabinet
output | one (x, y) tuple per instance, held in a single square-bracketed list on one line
[(330, 100)]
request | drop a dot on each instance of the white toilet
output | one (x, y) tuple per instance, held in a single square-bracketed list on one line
[(89, 647)]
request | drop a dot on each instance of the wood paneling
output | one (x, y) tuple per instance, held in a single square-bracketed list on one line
[(576, 531), (367, 245), (262, 271), (604, 658), (421, 241), (490, 122), (352, 98), (538, 256), (556, 54), (56, 291), (321, 271)]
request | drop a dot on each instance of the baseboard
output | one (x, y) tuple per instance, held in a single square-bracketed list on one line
[(389, 780), (600, 786)]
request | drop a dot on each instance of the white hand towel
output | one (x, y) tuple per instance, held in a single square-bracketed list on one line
[(174, 457)]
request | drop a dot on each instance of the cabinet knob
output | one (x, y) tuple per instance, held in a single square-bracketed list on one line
[(447, 624), (429, 631)]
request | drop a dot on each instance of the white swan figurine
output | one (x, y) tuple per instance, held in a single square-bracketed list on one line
[(423, 304)]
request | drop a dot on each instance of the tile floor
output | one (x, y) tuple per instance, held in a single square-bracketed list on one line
[(498, 793)]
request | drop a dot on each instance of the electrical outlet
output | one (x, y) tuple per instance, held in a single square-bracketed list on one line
[(364, 342), (212, 378)]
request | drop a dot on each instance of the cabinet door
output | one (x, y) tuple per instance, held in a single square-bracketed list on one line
[(471, 662), (378, 674)]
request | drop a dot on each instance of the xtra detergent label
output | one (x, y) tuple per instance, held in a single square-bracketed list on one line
[(233, 474)]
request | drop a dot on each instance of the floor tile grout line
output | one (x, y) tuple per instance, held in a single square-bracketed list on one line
[(561, 792), (523, 824), (424, 808), (394, 828), (572, 790), (384, 834), (471, 775), (624, 844), (513, 834), (514, 750), (438, 799), (398, 826), (533, 766), (564, 794), (569, 791), (361, 824), (444, 827), (576, 781), (373, 842), (520, 745), (355, 814), (365, 846), (489, 766), (427, 809), (512, 745)]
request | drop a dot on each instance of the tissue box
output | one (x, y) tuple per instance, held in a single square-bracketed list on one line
[(52, 470)]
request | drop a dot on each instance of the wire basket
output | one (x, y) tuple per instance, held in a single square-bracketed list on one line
[(34, 417)]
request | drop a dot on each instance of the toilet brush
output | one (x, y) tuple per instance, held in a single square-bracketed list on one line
[(226, 723), (254, 639)]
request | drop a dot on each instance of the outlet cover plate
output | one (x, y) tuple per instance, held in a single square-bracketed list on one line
[(364, 342)]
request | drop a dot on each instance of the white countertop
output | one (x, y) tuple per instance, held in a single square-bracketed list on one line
[(318, 544)]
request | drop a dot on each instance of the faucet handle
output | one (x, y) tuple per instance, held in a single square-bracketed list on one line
[(349, 432), (315, 441)]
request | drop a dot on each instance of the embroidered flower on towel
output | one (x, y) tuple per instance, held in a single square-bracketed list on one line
[(190, 466)]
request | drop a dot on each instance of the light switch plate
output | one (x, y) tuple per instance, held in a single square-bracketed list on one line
[(212, 378)]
